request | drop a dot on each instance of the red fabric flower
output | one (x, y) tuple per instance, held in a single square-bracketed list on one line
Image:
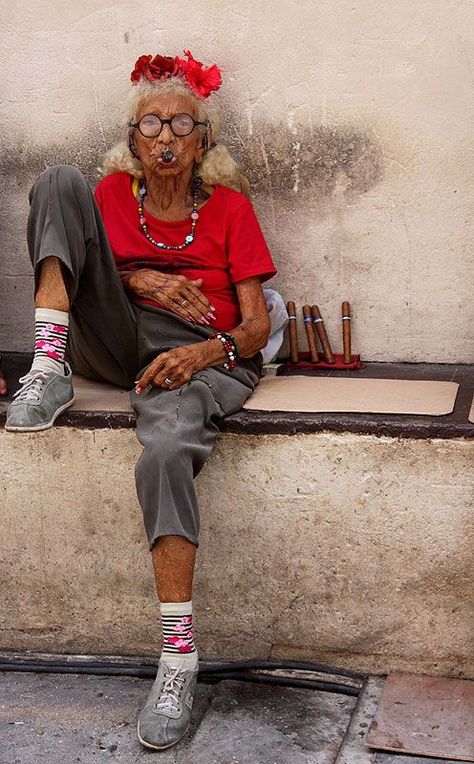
[(202, 80), (141, 66), (157, 68)]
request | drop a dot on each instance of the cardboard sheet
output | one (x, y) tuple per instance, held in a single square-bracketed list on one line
[(96, 396), (427, 715), (377, 396)]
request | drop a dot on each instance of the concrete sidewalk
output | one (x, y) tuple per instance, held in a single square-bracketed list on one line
[(69, 718), (66, 718)]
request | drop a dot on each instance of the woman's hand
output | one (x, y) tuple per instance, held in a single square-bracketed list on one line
[(175, 293), (181, 363), (178, 365)]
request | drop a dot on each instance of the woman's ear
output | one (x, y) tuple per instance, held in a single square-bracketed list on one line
[(204, 145), (132, 146)]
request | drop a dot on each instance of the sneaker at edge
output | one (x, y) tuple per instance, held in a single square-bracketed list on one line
[(167, 712), (43, 395)]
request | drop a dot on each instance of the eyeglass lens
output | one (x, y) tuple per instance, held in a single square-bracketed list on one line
[(181, 124)]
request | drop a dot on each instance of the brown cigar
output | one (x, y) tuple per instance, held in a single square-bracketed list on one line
[(346, 332), (293, 331), (308, 325), (318, 325)]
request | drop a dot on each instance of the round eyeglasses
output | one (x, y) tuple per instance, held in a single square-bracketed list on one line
[(151, 125)]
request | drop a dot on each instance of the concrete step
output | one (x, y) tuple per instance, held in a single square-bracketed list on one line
[(329, 545)]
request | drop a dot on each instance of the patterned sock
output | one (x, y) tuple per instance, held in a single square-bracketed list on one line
[(178, 639), (51, 329)]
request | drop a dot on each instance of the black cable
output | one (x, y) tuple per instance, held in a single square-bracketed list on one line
[(310, 684), (208, 671), (289, 665)]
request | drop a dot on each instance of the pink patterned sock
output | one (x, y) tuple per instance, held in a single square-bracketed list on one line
[(51, 330), (178, 639)]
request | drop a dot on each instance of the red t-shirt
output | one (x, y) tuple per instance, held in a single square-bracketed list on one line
[(229, 245)]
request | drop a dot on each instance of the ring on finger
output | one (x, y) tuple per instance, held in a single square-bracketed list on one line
[(184, 302), (168, 381)]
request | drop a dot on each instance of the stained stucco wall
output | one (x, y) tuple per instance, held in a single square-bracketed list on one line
[(353, 121), (356, 552)]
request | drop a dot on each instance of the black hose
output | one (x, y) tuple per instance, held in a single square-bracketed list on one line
[(208, 671), (289, 665), (310, 684)]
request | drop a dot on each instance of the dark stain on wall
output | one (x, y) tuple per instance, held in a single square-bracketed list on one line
[(286, 163), (277, 161), (25, 161)]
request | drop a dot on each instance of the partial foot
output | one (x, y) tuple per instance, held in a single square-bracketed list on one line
[(167, 712), (43, 396)]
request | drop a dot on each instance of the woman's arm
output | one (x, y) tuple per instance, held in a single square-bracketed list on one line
[(251, 335)]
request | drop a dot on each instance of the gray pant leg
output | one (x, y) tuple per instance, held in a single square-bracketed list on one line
[(178, 430), (65, 222)]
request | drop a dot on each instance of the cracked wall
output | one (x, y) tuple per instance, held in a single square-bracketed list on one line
[(351, 120)]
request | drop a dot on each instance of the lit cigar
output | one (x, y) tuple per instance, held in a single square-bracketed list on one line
[(346, 332), (308, 325), (293, 331), (318, 324)]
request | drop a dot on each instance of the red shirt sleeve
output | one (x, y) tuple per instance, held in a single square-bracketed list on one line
[(247, 251)]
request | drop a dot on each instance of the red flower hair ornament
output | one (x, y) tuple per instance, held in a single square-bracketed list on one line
[(202, 80)]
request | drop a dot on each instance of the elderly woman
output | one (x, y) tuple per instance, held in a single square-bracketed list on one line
[(154, 285)]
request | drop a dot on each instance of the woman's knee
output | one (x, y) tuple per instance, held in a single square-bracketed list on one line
[(162, 454), (65, 176)]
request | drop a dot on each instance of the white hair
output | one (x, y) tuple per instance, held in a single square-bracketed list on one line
[(217, 165)]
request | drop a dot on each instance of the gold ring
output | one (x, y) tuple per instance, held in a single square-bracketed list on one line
[(184, 302)]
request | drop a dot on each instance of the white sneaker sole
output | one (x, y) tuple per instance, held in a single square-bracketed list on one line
[(44, 425), (160, 747)]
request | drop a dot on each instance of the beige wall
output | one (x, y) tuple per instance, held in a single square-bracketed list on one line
[(352, 119), (355, 552)]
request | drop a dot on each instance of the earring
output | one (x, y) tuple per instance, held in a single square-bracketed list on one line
[(131, 148)]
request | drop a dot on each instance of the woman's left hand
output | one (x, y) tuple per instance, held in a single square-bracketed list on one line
[(177, 365)]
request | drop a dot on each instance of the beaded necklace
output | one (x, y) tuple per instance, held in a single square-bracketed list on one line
[(194, 217)]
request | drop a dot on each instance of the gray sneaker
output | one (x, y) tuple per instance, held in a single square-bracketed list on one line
[(167, 712), (41, 398)]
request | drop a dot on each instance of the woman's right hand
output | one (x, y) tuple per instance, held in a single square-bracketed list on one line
[(175, 293)]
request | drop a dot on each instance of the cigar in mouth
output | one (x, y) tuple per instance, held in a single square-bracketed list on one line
[(318, 326), (293, 331), (167, 156), (346, 331), (308, 325)]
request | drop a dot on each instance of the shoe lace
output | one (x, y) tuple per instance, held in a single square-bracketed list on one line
[(32, 384), (171, 690)]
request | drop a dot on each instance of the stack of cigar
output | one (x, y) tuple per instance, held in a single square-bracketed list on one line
[(314, 326)]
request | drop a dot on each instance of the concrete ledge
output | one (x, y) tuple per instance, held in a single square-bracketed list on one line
[(348, 549), (454, 425)]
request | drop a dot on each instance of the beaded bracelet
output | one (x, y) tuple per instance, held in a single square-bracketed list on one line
[(230, 348), (230, 338)]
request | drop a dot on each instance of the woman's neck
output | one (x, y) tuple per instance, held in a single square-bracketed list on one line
[(168, 195)]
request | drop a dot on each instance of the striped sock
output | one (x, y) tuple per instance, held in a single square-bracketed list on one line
[(178, 639), (51, 330)]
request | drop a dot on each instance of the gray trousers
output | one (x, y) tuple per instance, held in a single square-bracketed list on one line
[(111, 339)]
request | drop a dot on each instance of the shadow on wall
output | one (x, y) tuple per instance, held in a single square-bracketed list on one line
[(278, 161)]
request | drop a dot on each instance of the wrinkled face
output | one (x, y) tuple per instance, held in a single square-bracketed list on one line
[(186, 149)]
